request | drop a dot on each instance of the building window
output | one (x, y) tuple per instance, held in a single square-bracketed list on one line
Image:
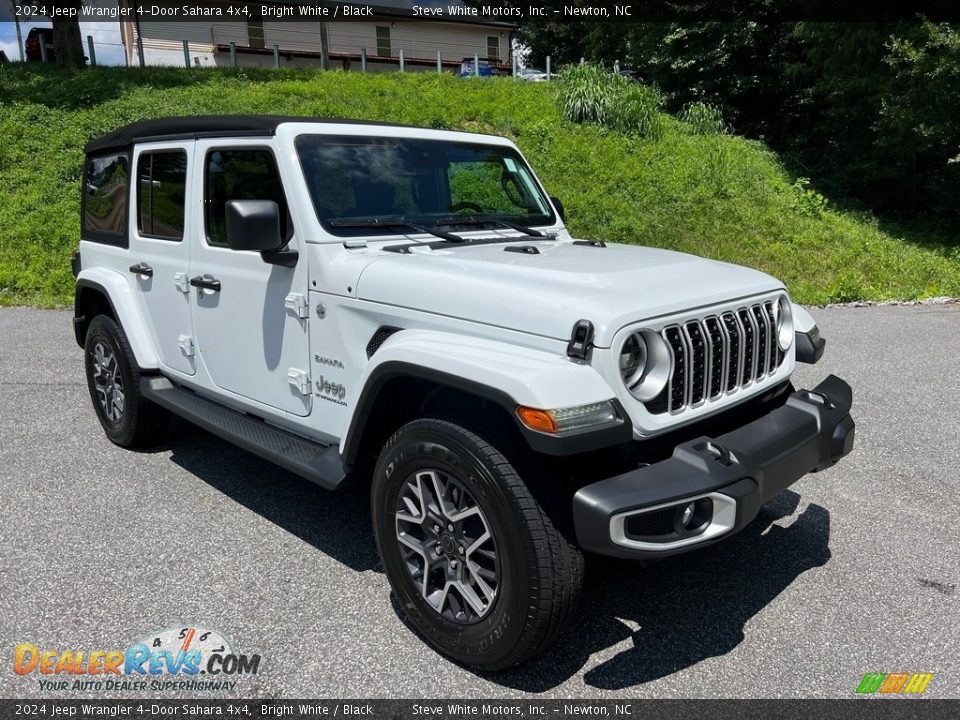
[(493, 48), (255, 34), (162, 185), (383, 41), (248, 174), (105, 197)]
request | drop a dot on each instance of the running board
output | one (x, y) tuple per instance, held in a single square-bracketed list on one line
[(312, 460)]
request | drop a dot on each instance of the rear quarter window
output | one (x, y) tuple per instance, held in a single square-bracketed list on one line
[(106, 181)]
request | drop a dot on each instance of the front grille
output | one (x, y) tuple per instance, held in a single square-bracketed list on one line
[(718, 354)]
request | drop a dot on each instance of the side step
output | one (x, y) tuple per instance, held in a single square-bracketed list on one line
[(312, 460)]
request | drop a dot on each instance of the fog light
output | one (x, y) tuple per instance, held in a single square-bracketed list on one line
[(693, 517)]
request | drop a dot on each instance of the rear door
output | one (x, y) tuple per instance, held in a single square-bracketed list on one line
[(252, 331), (159, 250)]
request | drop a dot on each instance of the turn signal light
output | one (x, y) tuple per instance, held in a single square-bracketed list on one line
[(563, 420), (537, 419)]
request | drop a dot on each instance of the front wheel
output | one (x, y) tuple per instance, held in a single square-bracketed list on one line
[(476, 564)]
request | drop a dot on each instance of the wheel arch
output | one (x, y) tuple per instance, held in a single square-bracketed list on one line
[(100, 291), (419, 373)]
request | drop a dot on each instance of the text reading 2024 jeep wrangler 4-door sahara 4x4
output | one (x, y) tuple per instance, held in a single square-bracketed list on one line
[(355, 300)]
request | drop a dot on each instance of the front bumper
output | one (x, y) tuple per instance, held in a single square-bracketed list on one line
[(724, 480)]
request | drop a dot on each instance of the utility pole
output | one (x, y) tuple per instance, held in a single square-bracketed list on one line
[(16, 20)]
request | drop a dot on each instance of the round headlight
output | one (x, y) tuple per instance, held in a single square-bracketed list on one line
[(633, 358), (784, 323), (644, 364)]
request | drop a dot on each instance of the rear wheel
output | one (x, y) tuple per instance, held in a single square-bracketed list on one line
[(113, 378), (477, 565)]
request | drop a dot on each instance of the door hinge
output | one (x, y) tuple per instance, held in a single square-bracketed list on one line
[(298, 304), (186, 345), (182, 282), (300, 379)]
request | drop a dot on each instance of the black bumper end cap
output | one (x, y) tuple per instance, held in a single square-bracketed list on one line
[(810, 346)]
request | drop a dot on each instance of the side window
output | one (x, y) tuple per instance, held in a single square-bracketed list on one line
[(105, 197), (161, 193), (240, 174)]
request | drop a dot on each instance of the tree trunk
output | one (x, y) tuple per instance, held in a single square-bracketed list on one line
[(67, 42)]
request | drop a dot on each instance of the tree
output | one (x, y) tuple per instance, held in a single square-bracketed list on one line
[(67, 42)]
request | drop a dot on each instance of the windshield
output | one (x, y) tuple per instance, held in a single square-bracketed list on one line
[(355, 182)]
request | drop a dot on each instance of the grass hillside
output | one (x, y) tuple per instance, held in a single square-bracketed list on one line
[(710, 194)]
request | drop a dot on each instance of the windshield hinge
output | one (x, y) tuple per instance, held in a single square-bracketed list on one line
[(298, 304)]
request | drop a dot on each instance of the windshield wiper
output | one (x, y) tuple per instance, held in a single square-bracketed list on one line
[(386, 222), (493, 219)]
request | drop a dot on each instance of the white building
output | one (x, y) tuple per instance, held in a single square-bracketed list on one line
[(333, 44)]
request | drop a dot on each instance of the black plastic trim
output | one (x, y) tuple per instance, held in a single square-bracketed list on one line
[(752, 464), (315, 461), (525, 249), (284, 258), (78, 318), (591, 243), (810, 346), (76, 264), (557, 445), (581, 340)]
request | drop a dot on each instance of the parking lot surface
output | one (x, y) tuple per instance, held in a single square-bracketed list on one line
[(853, 570)]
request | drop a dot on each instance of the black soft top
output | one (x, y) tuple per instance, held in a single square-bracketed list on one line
[(206, 126)]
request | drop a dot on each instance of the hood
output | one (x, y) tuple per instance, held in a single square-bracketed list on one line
[(547, 293)]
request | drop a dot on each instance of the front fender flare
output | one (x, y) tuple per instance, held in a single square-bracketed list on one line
[(504, 374), (126, 309)]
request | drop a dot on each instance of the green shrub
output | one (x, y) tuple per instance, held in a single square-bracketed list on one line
[(592, 94), (703, 118), (806, 200), (588, 94)]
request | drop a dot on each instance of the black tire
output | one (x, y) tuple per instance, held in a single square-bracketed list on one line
[(132, 421), (539, 573)]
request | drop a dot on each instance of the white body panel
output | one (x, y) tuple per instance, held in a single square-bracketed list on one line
[(163, 303), (547, 294), (103, 262), (247, 339)]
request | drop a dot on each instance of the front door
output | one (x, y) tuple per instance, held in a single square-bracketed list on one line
[(159, 251), (249, 315)]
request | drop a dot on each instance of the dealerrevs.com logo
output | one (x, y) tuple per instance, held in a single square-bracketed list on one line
[(189, 658)]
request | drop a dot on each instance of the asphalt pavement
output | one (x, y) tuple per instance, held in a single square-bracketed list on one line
[(853, 570)]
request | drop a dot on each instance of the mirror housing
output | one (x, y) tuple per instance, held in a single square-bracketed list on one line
[(559, 206), (253, 225)]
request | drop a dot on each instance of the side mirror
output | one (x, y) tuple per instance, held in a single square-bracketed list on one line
[(559, 206), (253, 225)]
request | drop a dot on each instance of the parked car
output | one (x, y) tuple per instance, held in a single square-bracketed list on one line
[(533, 75), (404, 308), (469, 68), (35, 38)]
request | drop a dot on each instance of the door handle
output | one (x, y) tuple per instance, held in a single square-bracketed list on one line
[(142, 269), (207, 282)]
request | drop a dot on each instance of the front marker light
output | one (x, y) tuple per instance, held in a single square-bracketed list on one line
[(564, 420)]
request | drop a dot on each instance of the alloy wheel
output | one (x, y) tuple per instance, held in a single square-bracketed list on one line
[(447, 546)]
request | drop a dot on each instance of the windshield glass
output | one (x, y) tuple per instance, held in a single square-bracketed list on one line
[(353, 180)]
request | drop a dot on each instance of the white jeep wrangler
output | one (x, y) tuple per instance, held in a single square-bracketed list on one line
[(353, 300)]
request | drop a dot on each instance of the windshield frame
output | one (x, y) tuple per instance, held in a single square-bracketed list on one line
[(445, 219)]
